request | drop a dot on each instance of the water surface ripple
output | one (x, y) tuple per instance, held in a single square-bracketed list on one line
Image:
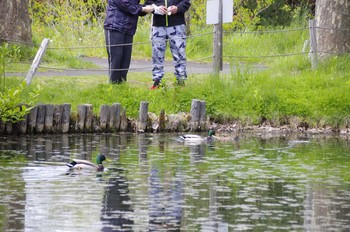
[(154, 182)]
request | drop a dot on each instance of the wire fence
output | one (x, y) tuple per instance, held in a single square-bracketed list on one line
[(267, 31), (267, 56), (227, 56)]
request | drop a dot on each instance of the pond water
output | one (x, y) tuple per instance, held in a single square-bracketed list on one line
[(154, 182)]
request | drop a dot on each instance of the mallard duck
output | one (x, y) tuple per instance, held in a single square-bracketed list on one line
[(85, 164), (196, 138)]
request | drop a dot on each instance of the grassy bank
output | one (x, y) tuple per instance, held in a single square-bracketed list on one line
[(289, 89), (277, 95)]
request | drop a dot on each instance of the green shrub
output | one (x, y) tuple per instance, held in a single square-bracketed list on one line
[(15, 103)]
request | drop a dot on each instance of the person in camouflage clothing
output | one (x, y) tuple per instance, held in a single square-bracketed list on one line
[(169, 25)]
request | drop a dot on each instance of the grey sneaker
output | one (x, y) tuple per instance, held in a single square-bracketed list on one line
[(181, 82)]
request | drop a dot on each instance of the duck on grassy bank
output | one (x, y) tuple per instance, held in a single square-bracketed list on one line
[(85, 164)]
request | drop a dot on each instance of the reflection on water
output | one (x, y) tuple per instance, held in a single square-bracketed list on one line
[(156, 183), (165, 201), (116, 213), (70, 202)]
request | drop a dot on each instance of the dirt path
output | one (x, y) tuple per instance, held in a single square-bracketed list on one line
[(146, 66), (135, 66)]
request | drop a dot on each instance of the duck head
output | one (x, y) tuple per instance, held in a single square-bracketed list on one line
[(211, 132), (100, 158)]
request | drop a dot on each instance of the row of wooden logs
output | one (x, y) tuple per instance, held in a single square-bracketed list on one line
[(50, 118)]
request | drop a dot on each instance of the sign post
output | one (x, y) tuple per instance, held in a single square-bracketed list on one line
[(218, 12), (217, 62)]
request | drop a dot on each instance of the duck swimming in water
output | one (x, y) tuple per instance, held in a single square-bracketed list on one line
[(85, 164), (193, 138), (196, 139)]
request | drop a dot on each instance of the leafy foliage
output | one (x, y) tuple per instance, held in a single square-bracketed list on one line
[(12, 108), (15, 101), (75, 15), (252, 14)]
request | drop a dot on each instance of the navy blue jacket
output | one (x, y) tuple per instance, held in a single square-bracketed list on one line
[(173, 20), (122, 15)]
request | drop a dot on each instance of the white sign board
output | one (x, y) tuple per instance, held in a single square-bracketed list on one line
[(213, 11)]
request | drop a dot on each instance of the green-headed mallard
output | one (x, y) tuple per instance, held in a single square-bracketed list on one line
[(192, 138), (85, 164)]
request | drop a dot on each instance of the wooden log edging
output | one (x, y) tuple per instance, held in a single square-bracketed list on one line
[(42, 118), (59, 119)]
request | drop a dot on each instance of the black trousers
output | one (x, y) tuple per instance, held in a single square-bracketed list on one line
[(119, 55)]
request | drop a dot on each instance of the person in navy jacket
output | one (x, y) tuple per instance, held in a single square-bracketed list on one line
[(120, 26)]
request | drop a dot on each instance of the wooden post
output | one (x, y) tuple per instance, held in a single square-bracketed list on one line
[(66, 117), (8, 128), (2, 127), (23, 125), (81, 118), (32, 119), (217, 62), (124, 121), (162, 121), (114, 117), (57, 119), (195, 111), (96, 123), (143, 116), (37, 60), (188, 22), (203, 116), (313, 43), (88, 118), (104, 117), (40, 118), (48, 123)]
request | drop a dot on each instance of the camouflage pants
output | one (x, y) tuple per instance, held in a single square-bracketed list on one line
[(176, 35)]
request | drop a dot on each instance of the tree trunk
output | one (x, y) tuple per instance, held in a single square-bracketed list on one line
[(333, 27), (15, 23)]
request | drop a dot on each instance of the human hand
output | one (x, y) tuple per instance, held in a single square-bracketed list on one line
[(172, 10), (159, 10), (147, 9)]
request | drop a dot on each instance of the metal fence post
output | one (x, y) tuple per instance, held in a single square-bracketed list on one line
[(217, 62)]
